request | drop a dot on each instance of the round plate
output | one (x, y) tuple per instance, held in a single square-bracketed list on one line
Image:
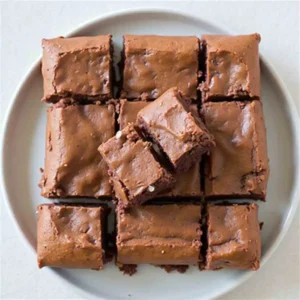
[(23, 144)]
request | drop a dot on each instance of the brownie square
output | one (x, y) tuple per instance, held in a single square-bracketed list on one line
[(71, 236), (232, 67), (238, 165), (79, 67), (154, 234), (136, 174), (233, 237), (153, 64), (188, 182), (73, 166), (181, 136)]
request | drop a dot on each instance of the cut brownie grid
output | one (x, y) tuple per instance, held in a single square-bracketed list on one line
[(143, 50)]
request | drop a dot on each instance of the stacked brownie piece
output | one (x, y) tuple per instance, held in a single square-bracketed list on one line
[(186, 130)]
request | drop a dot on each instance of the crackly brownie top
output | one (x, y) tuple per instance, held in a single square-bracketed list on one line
[(131, 161), (70, 236), (76, 66), (233, 236), (159, 234), (239, 162), (232, 66), (73, 166), (154, 64), (187, 184), (169, 120)]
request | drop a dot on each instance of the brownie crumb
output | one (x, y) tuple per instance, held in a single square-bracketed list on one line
[(261, 225), (127, 269), (171, 268)]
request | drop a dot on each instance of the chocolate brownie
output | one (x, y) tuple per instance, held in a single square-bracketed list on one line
[(79, 67), (238, 165), (232, 67), (188, 182), (181, 136), (159, 234), (71, 236), (233, 237), (135, 173), (153, 64), (73, 166)]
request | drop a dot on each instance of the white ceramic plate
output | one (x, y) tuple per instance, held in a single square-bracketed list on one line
[(23, 154)]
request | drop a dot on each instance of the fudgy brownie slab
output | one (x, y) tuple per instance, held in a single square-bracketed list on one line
[(238, 165), (233, 237), (188, 182), (73, 166), (232, 67), (71, 236), (136, 174), (159, 234), (182, 136), (79, 67), (153, 64)]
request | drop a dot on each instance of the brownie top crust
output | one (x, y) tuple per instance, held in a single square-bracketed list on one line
[(232, 66), (128, 111), (70, 236), (79, 67), (181, 135), (153, 64), (73, 166), (233, 237), (187, 183), (132, 163), (238, 165), (159, 234)]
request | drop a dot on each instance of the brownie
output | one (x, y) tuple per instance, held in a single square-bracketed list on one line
[(71, 236), (233, 237), (181, 136), (159, 234), (135, 173), (79, 67), (128, 111), (238, 165), (73, 166), (188, 182), (153, 64), (232, 67)]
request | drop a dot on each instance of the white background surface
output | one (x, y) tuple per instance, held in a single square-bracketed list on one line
[(23, 26)]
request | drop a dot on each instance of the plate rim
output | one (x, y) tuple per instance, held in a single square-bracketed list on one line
[(291, 111)]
